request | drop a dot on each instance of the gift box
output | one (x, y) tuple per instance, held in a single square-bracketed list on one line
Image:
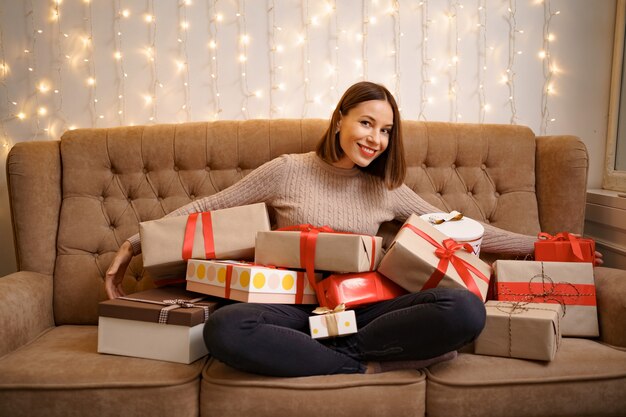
[(320, 250), (356, 289), (331, 323), (162, 323), (421, 257), (564, 247), (520, 330), (569, 284), (169, 242), (458, 227), (242, 281)]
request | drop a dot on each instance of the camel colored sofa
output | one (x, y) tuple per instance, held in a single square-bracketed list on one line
[(74, 201)]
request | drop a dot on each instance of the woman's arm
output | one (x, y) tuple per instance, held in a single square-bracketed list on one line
[(406, 202)]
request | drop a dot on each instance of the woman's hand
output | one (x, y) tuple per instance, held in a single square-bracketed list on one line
[(599, 259), (115, 274)]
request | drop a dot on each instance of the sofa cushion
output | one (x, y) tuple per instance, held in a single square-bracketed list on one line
[(586, 378), (228, 392), (60, 373)]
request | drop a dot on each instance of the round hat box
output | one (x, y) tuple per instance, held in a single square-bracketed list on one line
[(465, 230)]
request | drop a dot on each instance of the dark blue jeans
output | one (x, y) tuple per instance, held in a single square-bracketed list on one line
[(274, 339)]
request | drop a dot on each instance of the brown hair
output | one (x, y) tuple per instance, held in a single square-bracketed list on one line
[(390, 165)]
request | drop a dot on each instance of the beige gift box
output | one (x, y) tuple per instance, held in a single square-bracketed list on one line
[(411, 261), (570, 284), (231, 236), (520, 330), (249, 283), (337, 252), (333, 324)]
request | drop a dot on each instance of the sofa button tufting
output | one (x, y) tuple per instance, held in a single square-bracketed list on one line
[(192, 196), (207, 168), (438, 194), (483, 167), (487, 221), (453, 166), (424, 166), (497, 194), (176, 168), (469, 193), (112, 227), (145, 171), (101, 198)]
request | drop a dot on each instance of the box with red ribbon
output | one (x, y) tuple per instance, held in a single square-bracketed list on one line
[(169, 242), (356, 289), (330, 323), (242, 281), (421, 257), (318, 248), (569, 284), (160, 323), (564, 247), (520, 330)]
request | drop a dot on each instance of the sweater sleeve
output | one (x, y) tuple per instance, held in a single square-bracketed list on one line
[(406, 202), (259, 186)]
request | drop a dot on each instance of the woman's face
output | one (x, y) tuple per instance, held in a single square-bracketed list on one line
[(364, 133)]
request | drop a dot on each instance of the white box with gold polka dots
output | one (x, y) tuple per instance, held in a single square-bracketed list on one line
[(333, 324), (242, 281)]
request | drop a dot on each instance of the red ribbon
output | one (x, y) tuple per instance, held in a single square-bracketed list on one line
[(446, 254), (562, 237), (207, 233), (229, 279), (560, 293)]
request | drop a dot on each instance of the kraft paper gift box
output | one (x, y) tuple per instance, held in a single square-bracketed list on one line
[(570, 284), (421, 257), (330, 323), (324, 251), (161, 323), (564, 247), (520, 330), (356, 289), (250, 283), (458, 227), (169, 242)]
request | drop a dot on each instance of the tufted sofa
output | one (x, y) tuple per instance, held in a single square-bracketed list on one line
[(74, 201)]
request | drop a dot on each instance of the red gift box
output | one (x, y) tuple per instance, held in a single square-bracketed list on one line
[(358, 289), (564, 247)]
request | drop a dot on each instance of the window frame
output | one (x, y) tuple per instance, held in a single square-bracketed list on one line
[(612, 179)]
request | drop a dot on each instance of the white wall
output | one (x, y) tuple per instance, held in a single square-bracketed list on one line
[(296, 82)]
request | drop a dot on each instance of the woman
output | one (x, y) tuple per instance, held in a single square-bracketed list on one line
[(353, 182)]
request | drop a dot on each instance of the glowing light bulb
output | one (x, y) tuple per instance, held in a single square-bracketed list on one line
[(551, 37), (258, 93), (280, 48), (487, 107), (126, 13), (245, 39), (242, 58), (21, 116), (148, 18), (212, 44), (541, 54), (72, 127), (91, 81), (148, 98), (184, 25), (42, 111), (117, 55), (43, 87), (219, 17)]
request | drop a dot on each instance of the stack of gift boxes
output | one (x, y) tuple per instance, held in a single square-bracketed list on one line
[(232, 254)]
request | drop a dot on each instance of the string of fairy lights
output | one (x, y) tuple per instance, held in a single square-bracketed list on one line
[(351, 42)]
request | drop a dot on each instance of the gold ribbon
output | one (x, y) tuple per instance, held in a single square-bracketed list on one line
[(172, 305), (451, 217), (330, 317)]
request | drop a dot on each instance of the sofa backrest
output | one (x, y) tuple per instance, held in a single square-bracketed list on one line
[(114, 178)]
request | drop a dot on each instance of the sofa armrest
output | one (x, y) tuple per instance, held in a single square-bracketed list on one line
[(34, 183), (25, 308), (611, 298), (561, 169)]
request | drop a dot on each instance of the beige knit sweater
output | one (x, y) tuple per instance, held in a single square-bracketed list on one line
[(302, 188)]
